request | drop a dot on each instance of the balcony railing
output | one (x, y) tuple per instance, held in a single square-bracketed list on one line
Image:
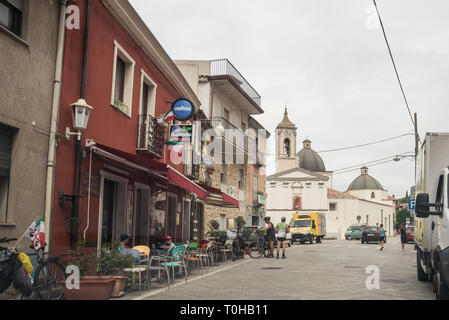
[(151, 136), (258, 201), (224, 67)]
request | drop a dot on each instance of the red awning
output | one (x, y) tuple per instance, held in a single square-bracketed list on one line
[(171, 174), (218, 198)]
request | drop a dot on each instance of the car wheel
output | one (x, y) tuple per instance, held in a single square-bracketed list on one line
[(362, 241), (442, 291)]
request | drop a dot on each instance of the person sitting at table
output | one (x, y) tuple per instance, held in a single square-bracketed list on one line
[(168, 243), (124, 249)]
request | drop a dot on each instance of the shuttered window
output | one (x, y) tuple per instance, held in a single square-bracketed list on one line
[(6, 136)]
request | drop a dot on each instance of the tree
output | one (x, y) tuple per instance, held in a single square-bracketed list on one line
[(402, 215)]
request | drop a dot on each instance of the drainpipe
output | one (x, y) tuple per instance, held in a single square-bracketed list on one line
[(51, 161), (78, 148)]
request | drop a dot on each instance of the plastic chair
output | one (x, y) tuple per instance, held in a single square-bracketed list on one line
[(191, 255), (175, 259)]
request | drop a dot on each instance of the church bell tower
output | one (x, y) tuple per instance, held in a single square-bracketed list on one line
[(285, 144)]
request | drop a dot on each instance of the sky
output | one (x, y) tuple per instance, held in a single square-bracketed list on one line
[(328, 62)]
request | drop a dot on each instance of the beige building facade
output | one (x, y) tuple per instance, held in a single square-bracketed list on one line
[(28, 46)]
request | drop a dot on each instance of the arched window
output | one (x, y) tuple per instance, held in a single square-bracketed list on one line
[(373, 195), (287, 147)]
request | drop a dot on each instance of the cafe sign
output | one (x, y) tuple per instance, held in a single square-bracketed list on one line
[(180, 134)]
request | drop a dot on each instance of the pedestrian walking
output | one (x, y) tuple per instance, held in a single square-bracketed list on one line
[(403, 230), (271, 235), (282, 229), (381, 240)]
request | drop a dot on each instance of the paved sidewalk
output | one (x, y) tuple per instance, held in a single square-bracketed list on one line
[(330, 270)]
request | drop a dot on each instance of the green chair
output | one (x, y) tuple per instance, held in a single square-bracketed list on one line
[(175, 258)]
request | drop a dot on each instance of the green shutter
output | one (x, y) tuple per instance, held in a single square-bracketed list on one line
[(5, 150)]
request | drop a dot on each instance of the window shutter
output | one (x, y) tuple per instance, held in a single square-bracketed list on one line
[(5, 150), (17, 3)]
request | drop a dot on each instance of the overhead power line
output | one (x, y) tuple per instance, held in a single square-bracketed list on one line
[(371, 163), (366, 144), (394, 66)]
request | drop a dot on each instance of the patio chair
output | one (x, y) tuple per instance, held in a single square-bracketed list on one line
[(226, 249), (157, 266), (175, 258), (142, 265), (205, 253), (191, 255)]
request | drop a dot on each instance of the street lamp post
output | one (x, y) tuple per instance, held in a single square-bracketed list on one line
[(80, 116)]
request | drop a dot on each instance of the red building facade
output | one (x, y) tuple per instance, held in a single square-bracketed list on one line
[(127, 181)]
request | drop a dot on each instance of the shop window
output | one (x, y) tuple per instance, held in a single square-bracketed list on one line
[(6, 140), (11, 15), (122, 80)]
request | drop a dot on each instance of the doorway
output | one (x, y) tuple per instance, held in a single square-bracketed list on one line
[(186, 215), (171, 215), (142, 215)]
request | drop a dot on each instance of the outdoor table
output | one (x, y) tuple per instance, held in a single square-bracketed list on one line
[(158, 252)]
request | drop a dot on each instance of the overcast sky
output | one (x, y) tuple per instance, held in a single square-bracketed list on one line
[(329, 61)]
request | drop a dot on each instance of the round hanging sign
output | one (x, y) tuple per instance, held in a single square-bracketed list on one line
[(182, 109)]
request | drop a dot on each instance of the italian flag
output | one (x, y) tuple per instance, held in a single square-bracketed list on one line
[(36, 233), (169, 115)]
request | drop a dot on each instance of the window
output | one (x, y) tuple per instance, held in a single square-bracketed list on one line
[(373, 195), (287, 147), (11, 15), (226, 114), (222, 223), (321, 185), (122, 80), (332, 206), (241, 179), (223, 174), (148, 96), (308, 185), (6, 139)]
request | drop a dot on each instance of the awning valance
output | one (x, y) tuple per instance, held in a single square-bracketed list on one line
[(217, 197), (161, 169)]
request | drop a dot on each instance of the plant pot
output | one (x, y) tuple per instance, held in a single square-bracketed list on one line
[(119, 285), (91, 288)]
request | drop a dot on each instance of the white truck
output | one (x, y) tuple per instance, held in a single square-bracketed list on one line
[(432, 212)]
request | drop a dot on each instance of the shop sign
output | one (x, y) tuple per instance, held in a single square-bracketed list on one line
[(180, 134), (182, 109)]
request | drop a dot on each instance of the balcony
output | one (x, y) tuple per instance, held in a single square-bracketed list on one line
[(227, 125), (151, 136), (223, 69), (258, 198)]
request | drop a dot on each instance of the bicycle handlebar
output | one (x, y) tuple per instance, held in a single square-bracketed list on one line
[(5, 239)]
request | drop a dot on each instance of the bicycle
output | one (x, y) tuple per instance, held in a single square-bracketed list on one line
[(47, 273), (254, 248)]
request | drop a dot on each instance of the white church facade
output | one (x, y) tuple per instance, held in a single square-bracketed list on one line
[(302, 184)]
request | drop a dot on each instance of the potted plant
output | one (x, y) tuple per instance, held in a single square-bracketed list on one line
[(91, 285), (112, 263)]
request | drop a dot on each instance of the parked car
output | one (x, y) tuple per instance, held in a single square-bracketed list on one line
[(370, 234), (354, 232), (410, 233)]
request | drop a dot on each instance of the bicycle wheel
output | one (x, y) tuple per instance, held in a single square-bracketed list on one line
[(256, 251), (47, 281)]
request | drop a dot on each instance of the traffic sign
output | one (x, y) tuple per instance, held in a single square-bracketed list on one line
[(411, 204)]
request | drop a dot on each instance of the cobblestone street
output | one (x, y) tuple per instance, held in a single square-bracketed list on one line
[(330, 270)]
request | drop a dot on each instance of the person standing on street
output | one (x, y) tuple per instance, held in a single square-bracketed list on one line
[(271, 235), (282, 229), (403, 230), (381, 232)]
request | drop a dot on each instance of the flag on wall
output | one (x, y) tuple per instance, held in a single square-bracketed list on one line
[(36, 233), (169, 115)]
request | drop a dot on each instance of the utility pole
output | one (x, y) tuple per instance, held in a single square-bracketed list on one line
[(416, 136)]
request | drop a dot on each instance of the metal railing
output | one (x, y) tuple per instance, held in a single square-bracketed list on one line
[(151, 135), (224, 67)]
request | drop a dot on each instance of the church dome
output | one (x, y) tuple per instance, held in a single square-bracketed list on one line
[(365, 182), (309, 159)]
